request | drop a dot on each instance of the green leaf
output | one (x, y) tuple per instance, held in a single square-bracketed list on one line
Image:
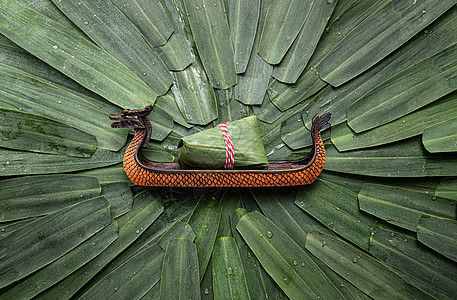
[(447, 188), (89, 65), (338, 209), (403, 207), (33, 196), (294, 132), (377, 36), (30, 85), (210, 30), (344, 138), (176, 208), (146, 208), (176, 53), (23, 131), (44, 278), (421, 266), (267, 112), (230, 201), (180, 279), (228, 108), (194, 95), (119, 196), (365, 272), (229, 279), (402, 159), (179, 230), (344, 20), (24, 163), (168, 103), (439, 234), (110, 29), (285, 261), (441, 137), (205, 222), (107, 175), (132, 279), (153, 293), (206, 284), (301, 50), (40, 242), (243, 19), (162, 123), (260, 285), (278, 206), (253, 83), (435, 38), (282, 24), (8, 228), (407, 91), (355, 183), (150, 17)]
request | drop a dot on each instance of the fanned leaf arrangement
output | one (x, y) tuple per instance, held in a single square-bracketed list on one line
[(379, 223)]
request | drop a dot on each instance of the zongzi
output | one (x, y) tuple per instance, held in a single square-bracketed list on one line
[(208, 149)]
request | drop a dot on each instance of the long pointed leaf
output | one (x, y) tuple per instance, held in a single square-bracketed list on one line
[(209, 25), (146, 209), (180, 278), (407, 91), (438, 36), (421, 266), (33, 196), (283, 22), (22, 131), (132, 279), (229, 279), (205, 222), (439, 234), (243, 19), (62, 267), (362, 270), (149, 17), (324, 201), (403, 207), (194, 96), (348, 14), (46, 239), (297, 57), (291, 267), (378, 36), (253, 83), (114, 32), (30, 85), (24, 163), (70, 52), (344, 138), (260, 284), (176, 53), (402, 159), (279, 207), (441, 137)]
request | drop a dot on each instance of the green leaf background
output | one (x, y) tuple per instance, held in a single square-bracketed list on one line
[(380, 222)]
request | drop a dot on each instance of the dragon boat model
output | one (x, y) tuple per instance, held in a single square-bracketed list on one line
[(144, 172)]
